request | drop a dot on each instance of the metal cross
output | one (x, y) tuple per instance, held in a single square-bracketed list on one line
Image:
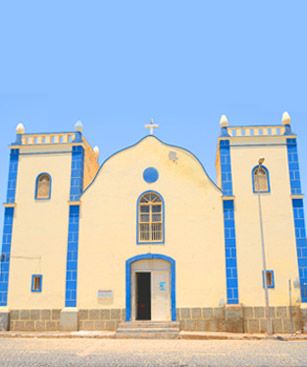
[(151, 126)]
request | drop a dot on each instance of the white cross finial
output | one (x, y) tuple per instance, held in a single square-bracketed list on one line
[(151, 126)]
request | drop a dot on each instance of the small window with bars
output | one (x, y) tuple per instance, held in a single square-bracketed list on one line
[(261, 179), (150, 226), (36, 285), (43, 187), (268, 279)]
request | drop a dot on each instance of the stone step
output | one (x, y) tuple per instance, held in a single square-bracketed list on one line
[(147, 335), (148, 330), (148, 324)]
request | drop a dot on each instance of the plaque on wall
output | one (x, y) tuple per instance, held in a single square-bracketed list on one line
[(105, 296)]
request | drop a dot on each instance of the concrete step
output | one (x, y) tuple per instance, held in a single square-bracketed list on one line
[(148, 330), (148, 324), (146, 335)]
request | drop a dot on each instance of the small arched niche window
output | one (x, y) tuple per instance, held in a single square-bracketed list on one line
[(261, 179), (150, 218), (43, 187)]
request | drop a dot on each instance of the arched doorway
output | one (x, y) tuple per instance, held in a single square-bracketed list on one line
[(150, 288)]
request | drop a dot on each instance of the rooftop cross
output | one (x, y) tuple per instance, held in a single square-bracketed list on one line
[(151, 126)]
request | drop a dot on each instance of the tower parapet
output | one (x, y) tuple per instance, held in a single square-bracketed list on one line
[(48, 138)]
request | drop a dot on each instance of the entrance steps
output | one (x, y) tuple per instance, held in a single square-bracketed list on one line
[(148, 330)]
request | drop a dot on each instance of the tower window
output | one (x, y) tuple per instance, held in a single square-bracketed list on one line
[(150, 218), (261, 181), (43, 187)]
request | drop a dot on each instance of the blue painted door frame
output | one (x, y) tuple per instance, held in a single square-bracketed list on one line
[(132, 260)]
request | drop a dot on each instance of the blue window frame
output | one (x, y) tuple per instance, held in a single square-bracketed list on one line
[(43, 186), (36, 283), (261, 179), (269, 278), (150, 218)]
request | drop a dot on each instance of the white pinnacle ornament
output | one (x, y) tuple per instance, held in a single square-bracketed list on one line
[(96, 151), (286, 118), (224, 121), (20, 129), (79, 126)]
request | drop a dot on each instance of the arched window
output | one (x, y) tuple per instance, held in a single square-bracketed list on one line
[(150, 218), (43, 187), (261, 180)]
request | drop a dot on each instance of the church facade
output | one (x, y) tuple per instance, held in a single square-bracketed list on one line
[(148, 235)]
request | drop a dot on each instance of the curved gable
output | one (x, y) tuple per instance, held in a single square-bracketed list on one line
[(152, 152)]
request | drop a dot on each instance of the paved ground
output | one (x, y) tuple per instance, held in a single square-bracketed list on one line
[(17, 352)]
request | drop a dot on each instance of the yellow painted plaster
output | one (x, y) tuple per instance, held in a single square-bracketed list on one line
[(193, 218)]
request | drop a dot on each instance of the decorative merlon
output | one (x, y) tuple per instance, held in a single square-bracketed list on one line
[(256, 130), (48, 138)]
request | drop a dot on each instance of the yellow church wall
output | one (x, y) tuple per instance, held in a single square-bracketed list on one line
[(194, 235), (39, 242), (279, 233)]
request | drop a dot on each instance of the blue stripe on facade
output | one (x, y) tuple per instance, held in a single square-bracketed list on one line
[(77, 168), (13, 169), (6, 254), (226, 167), (301, 244), (294, 171), (72, 256), (298, 214), (229, 225), (76, 189), (8, 227), (172, 263), (230, 253)]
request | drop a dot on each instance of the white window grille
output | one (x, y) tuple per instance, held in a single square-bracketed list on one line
[(43, 186), (261, 180), (150, 218)]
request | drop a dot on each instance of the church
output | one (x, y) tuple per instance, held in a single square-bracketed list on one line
[(148, 237)]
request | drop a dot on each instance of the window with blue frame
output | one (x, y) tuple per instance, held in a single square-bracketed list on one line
[(269, 278), (261, 179), (43, 187), (150, 218), (36, 283)]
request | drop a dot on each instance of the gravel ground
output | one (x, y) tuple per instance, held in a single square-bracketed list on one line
[(15, 352)]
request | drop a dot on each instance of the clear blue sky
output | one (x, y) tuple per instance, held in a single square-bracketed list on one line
[(116, 64)]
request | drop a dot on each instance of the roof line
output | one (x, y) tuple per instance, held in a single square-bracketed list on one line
[(138, 142)]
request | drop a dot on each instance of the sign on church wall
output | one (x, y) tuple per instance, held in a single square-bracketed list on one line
[(105, 296)]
